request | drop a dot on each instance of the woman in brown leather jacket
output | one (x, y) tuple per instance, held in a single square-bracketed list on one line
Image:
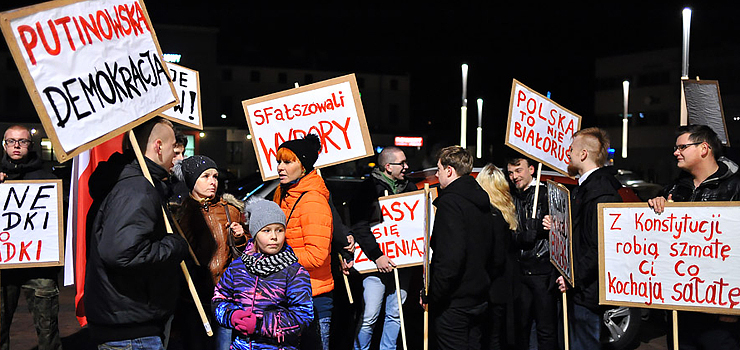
[(212, 224)]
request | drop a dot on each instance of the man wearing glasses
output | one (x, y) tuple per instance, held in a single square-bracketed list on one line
[(38, 284), (389, 178), (706, 176)]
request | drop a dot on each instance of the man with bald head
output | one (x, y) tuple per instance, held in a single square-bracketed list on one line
[(39, 284), (596, 184), (132, 280)]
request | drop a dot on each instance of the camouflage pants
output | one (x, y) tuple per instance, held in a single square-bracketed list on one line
[(42, 297)]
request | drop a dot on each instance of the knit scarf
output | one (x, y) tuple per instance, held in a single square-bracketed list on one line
[(264, 265)]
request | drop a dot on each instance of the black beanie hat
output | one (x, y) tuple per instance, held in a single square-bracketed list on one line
[(193, 166), (306, 149)]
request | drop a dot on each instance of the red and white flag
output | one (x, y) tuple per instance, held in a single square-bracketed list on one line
[(79, 204)]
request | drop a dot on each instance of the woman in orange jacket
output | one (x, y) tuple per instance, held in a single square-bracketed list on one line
[(304, 198)]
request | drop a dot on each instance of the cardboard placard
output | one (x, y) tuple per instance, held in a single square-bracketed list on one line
[(703, 104), (187, 85), (31, 224), (561, 230), (93, 69), (331, 109), (540, 128), (401, 234), (682, 259)]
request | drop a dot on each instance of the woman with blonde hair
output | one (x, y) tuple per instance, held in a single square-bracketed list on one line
[(503, 283)]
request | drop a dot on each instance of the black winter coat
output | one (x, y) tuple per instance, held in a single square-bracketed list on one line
[(600, 187), (531, 238), (462, 245), (723, 185), (131, 284)]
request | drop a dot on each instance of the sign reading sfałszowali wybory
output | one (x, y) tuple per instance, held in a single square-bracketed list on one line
[(401, 234), (540, 128), (682, 259), (330, 109), (561, 230), (31, 224), (93, 69)]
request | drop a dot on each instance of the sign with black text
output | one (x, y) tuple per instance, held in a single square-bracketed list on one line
[(31, 224), (187, 85), (561, 230)]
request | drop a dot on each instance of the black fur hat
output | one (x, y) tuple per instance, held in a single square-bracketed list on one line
[(306, 149)]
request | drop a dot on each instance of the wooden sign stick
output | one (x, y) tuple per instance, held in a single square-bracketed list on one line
[(188, 279), (400, 308), (427, 213), (675, 329), (565, 321), (536, 191)]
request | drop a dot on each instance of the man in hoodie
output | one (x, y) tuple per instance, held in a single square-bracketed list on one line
[(462, 241), (131, 285), (706, 177), (39, 284), (596, 184)]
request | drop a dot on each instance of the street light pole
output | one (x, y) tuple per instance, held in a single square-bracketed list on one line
[(464, 108), (626, 88), (686, 30), (479, 133)]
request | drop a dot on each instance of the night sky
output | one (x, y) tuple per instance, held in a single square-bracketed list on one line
[(548, 47)]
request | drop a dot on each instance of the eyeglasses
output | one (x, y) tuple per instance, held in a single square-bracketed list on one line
[(22, 142), (680, 148), (402, 163)]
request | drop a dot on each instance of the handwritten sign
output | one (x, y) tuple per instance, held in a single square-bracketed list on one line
[(330, 109), (683, 259), (540, 128), (92, 68), (31, 224), (187, 85), (561, 230), (401, 234)]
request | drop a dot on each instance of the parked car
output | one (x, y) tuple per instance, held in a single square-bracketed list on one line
[(620, 325), (645, 190)]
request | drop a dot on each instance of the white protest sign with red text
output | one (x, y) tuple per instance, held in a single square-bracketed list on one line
[(682, 259), (92, 68), (187, 85), (561, 230), (31, 225), (540, 128), (330, 109), (401, 234)]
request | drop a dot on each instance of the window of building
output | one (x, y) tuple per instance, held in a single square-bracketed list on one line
[(190, 148), (234, 150), (47, 150), (254, 76), (226, 74)]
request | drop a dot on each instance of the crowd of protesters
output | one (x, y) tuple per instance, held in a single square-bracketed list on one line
[(263, 269)]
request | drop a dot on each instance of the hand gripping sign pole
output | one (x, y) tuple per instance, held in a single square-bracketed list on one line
[(188, 279)]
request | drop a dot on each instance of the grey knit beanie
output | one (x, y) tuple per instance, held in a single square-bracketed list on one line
[(261, 212)]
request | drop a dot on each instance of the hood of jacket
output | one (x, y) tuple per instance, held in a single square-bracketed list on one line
[(469, 189)]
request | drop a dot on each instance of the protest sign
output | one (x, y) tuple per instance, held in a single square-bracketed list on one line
[(540, 128), (31, 224), (401, 234), (330, 109), (187, 85), (682, 259), (561, 230), (703, 106), (92, 68)]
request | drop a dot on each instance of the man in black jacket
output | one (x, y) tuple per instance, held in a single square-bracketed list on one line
[(596, 184), (538, 296), (706, 177), (462, 241), (131, 285), (389, 178), (39, 284)]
